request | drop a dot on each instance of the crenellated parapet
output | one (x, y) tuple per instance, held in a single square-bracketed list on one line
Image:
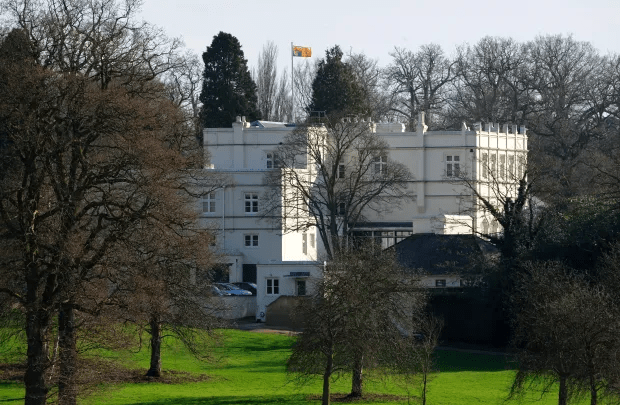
[(494, 128)]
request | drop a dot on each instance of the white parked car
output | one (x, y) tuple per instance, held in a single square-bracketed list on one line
[(231, 289)]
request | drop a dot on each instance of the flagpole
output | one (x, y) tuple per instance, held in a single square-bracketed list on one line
[(292, 87)]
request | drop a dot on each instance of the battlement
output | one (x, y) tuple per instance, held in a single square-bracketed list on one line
[(506, 129), (422, 129)]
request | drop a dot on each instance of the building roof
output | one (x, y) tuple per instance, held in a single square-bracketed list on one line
[(271, 124), (442, 254)]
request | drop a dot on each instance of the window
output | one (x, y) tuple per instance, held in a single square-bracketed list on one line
[(208, 203), (312, 240), (250, 240), (485, 166), (379, 164), (485, 227), (273, 286), (342, 208), (301, 287), (440, 283), (304, 243), (341, 172), (493, 165), (272, 160), (251, 203), (453, 165), (511, 166), (502, 166)]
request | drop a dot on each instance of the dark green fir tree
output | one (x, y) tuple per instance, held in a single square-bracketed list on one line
[(228, 89), (335, 89)]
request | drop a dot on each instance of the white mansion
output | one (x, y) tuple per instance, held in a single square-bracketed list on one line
[(445, 165)]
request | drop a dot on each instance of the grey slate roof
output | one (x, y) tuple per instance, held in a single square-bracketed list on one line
[(441, 254)]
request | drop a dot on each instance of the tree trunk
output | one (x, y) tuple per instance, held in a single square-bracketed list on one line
[(67, 387), (37, 324), (593, 391), (563, 394), (357, 379), (424, 385), (155, 369), (326, 377)]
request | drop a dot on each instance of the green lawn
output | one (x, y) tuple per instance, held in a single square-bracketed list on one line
[(248, 368)]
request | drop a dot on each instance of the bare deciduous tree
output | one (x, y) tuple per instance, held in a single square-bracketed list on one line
[(416, 359), (184, 83), (274, 100), (283, 106), (304, 74), (570, 105), (97, 149), (419, 82), (167, 286), (369, 76), (356, 317), (330, 176), (491, 83), (566, 332), (266, 78)]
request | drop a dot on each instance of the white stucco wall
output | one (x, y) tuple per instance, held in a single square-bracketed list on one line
[(287, 274), (241, 153), (435, 202)]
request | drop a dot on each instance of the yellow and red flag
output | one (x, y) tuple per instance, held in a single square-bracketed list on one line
[(302, 51)]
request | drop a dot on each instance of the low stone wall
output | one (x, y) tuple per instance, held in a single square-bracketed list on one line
[(282, 312), (236, 307)]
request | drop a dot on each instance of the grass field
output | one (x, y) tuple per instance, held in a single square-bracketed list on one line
[(249, 369)]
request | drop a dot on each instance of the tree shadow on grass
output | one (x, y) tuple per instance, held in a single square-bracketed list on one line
[(453, 360), (233, 400), (275, 399)]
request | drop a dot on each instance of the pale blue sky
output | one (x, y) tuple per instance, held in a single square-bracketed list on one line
[(375, 27)]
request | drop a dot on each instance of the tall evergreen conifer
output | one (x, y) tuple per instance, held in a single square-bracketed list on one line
[(228, 89), (335, 89)]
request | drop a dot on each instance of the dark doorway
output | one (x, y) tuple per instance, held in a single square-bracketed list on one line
[(249, 273)]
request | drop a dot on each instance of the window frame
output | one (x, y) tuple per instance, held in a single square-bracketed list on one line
[(485, 165), (208, 200), (271, 160), (379, 164), (520, 162), (250, 201), (250, 240), (304, 243), (341, 173), (453, 165), (502, 166), (272, 286), (341, 209)]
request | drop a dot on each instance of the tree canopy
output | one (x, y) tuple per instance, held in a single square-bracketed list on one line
[(228, 89), (358, 317), (335, 88), (98, 154)]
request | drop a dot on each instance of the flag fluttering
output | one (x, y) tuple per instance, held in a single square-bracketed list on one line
[(302, 51)]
